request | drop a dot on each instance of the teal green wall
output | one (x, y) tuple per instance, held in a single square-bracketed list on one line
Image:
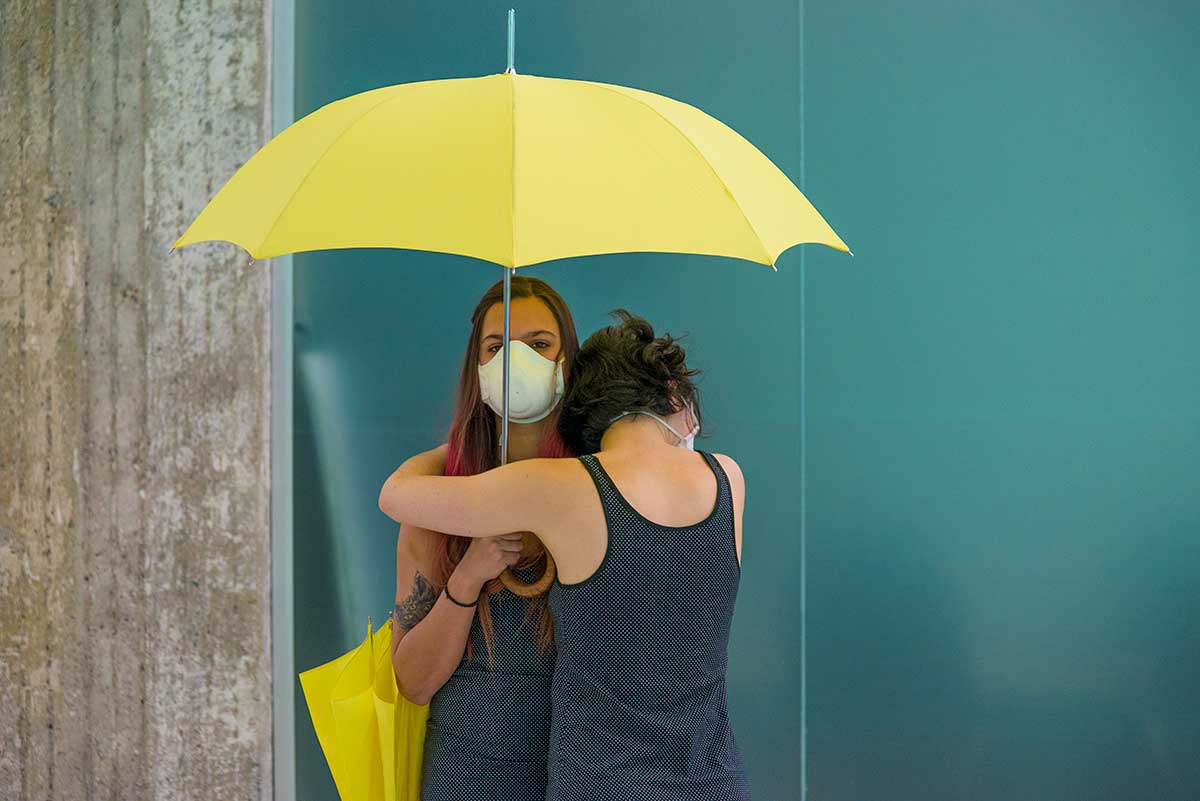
[(1004, 401), (1002, 412)]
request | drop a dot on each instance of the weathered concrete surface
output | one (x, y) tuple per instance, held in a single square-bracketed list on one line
[(134, 397)]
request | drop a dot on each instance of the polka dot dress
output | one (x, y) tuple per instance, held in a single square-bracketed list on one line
[(639, 710), (489, 729)]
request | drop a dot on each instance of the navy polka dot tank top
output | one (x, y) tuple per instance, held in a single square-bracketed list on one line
[(489, 725), (638, 695)]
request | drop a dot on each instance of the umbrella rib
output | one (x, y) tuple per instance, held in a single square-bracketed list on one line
[(312, 168), (703, 158)]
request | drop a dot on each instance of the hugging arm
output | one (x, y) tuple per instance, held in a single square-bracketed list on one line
[(506, 499)]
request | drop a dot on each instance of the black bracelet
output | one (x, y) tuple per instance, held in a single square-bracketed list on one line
[(458, 602)]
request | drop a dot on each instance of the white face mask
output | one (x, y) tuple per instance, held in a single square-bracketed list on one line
[(688, 441), (535, 383)]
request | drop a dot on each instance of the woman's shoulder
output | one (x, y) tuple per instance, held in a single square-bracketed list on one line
[(732, 469), (563, 476), (552, 466), (437, 456)]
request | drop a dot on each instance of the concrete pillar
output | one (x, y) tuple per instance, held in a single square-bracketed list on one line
[(134, 401)]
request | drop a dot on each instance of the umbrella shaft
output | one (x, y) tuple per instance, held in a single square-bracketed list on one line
[(508, 273), (512, 41)]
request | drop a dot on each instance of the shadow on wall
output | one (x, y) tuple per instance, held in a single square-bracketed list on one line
[(322, 602)]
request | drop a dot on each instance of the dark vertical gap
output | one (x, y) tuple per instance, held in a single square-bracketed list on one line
[(46, 601), (87, 612), (204, 756), (53, 534), (22, 68), (803, 428), (149, 623), (113, 346)]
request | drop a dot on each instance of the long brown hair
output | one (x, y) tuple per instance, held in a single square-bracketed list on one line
[(473, 445)]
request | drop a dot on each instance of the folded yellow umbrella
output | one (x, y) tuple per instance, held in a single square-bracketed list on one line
[(373, 737)]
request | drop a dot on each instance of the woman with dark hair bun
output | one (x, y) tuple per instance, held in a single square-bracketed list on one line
[(647, 536)]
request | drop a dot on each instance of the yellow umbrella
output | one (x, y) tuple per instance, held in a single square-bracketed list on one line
[(514, 170), (372, 736)]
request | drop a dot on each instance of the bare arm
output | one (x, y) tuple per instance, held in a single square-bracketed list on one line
[(737, 488), (522, 496), (429, 631), (428, 636)]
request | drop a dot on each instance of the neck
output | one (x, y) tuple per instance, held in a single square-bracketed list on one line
[(523, 439), (636, 432)]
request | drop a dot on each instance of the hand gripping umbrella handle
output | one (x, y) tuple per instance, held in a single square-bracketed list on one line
[(534, 589)]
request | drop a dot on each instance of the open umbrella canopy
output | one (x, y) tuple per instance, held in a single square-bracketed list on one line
[(515, 170)]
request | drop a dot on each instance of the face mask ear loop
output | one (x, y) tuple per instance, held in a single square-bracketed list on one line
[(695, 429), (682, 439)]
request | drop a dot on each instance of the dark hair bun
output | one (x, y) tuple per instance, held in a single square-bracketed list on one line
[(623, 368), (662, 354), (668, 355)]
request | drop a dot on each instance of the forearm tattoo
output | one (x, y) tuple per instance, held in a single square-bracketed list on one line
[(413, 609)]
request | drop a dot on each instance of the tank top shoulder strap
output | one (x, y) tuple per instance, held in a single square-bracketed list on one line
[(611, 500), (722, 525), (724, 491), (593, 467), (604, 484)]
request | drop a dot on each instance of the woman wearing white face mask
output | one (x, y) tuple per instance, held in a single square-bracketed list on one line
[(647, 536), (478, 654)]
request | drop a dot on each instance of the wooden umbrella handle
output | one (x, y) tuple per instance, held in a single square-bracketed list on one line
[(534, 589)]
